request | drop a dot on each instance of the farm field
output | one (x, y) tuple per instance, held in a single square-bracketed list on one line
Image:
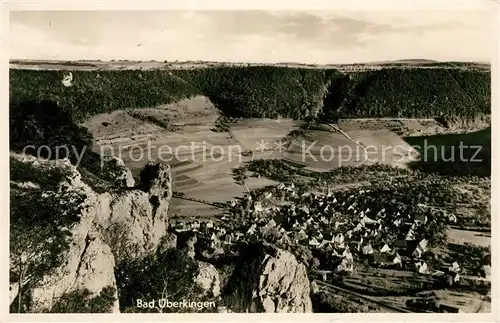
[(204, 159)]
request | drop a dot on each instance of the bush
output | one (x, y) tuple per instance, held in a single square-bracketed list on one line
[(168, 274), (81, 302)]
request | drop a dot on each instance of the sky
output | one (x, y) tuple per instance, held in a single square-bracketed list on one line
[(326, 37)]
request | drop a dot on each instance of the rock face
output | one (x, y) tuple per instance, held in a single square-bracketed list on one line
[(274, 278), (116, 170), (283, 285), (100, 229), (208, 278)]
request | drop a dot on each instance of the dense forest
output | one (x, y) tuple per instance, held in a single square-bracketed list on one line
[(266, 91)]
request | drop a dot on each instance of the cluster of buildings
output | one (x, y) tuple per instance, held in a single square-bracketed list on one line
[(344, 227)]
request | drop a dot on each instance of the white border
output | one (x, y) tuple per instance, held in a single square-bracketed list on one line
[(6, 6)]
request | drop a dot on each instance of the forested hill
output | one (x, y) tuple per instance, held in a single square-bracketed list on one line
[(267, 91)]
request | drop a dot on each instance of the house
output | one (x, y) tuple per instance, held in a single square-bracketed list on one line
[(323, 243), (420, 219), (304, 209), (228, 239), (397, 259), (358, 227), (285, 239), (347, 254), (258, 207), (301, 235), (405, 247), (420, 249), (401, 244), (339, 239), (386, 259), (437, 273), (268, 195), (422, 267), (233, 203), (454, 268), (271, 224), (345, 265), (338, 224), (366, 220), (252, 229), (313, 242), (367, 250), (210, 224), (385, 248), (410, 235), (213, 236)]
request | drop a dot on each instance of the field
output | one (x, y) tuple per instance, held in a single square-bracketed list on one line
[(203, 174)]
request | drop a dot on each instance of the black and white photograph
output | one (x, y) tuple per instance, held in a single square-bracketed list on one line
[(250, 161)]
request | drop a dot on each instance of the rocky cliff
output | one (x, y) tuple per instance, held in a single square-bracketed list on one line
[(66, 238), (269, 280)]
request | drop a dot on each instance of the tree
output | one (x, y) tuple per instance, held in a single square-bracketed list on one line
[(240, 176), (168, 274)]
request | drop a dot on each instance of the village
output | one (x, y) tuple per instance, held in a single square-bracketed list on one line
[(339, 230)]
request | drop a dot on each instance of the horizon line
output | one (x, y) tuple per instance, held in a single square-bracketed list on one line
[(396, 61)]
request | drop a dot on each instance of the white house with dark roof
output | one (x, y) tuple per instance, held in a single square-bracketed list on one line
[(313, 242), (385, 248), (421, 248)]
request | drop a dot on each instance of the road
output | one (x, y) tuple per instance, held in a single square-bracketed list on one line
[(379, 303)]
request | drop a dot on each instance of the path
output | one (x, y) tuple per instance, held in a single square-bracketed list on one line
[(337, 128)]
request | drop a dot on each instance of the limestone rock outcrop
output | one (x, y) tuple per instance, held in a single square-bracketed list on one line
[(276, 281), (116, 170), (65, 237), (208, 278)]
